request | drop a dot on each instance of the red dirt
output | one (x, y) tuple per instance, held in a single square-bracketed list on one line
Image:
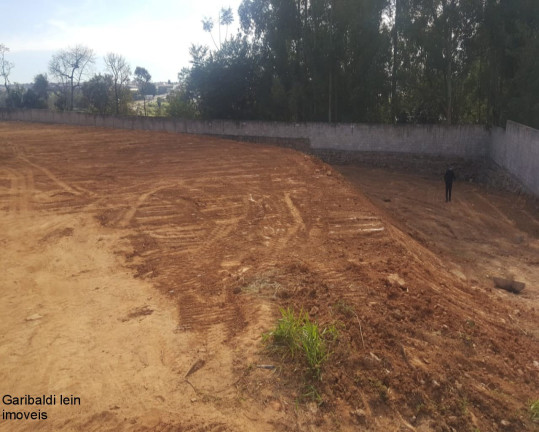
[(142, 268)]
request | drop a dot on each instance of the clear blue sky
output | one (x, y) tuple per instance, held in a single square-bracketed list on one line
[(152, 34)]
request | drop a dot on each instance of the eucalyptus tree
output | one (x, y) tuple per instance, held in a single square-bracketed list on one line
[(510, 51), (225, 18), (327, 57), (424, 61)]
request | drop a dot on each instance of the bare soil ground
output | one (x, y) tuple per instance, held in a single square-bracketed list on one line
[(140, 269)]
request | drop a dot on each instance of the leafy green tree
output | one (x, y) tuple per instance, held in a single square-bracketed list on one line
[(317, 50), (422, 61), (99, 94), (15, 96), (516, 81), (222, 84), (41, 88), (144, 84), (178, 102), (37, 96)]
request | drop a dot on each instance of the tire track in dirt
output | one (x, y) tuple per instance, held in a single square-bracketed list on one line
[(20, 191), (203, 299), (343, 226), (129, 214), (51, 176), (185, 235), (350, 224), (297, 225)]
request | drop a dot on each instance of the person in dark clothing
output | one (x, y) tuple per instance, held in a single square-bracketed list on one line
[(449, 177)]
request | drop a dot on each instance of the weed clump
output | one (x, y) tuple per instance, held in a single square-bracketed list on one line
[(534, 411), (299, 337)]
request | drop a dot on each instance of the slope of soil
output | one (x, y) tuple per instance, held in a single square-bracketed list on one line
[(141, 269)]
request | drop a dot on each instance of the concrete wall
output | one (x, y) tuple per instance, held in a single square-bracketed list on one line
[(515, 149), (460, 141)]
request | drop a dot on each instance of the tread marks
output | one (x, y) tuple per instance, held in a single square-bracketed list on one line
[(349, 224), (21, 187), (51, 176)]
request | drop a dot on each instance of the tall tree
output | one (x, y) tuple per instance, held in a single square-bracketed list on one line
[(225, 18), (144, 84), (99, 94), (398, 18), (70, 66), (5, 66), (37, 95), (223, 84), (432, 61), (120, 71), (510, 32), (207, 26)]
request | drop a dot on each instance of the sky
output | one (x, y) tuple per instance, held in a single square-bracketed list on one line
[(155, 34)]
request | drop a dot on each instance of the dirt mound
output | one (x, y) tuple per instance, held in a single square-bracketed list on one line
[(128, 224)]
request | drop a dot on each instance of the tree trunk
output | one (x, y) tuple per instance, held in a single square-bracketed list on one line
[(395, 37), (116, 99), (330, 94), (449, 90), (72, 92), (331, 60), (449, 60)]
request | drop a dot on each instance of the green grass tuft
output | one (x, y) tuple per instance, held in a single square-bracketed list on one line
[(534, 411), (300, 337)]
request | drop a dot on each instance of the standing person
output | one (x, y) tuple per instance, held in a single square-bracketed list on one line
[(448, 177)]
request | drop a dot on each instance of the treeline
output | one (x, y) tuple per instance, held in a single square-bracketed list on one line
[(116, 90), (374, 61), (417, 61)]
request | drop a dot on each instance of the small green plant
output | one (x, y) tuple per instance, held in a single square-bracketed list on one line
[(534, 411), (299, 336), (344, 308), (463, 405), (311, 393), (382, 390)]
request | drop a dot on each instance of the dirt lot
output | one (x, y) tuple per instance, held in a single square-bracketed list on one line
[(481, 233), (140, 270)]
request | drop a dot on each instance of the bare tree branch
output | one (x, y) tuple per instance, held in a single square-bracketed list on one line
[(70, 66), (5, 66), (121, 72)]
